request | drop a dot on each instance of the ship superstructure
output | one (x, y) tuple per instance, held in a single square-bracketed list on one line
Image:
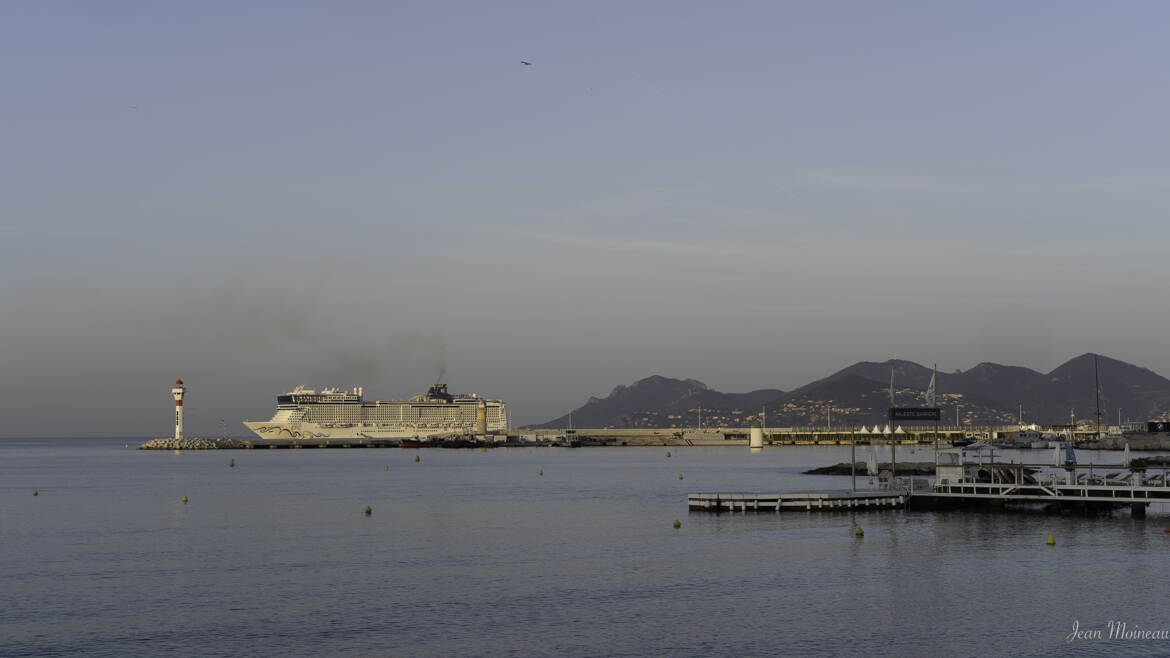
[(338, 414)]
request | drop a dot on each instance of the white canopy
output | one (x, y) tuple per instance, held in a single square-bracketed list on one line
[(899, 430), (887, 430), (863, 430)]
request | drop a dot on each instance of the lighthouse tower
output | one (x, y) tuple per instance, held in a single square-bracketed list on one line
[(178, 392)]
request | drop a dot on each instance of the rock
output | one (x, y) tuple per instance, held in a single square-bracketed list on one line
[(904, 468), (189, 443), (1150, 462)]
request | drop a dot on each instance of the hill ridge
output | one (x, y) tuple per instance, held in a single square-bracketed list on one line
[(987, 392)]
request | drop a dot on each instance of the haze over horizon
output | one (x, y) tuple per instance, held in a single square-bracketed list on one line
[(252, 197)]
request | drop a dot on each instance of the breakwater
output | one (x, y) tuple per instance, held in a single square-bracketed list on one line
[(191, 443), (859, 468)]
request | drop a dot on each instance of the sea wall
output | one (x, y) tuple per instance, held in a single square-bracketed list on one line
[(1151, 442)]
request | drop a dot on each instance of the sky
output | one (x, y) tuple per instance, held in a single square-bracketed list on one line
[(252, 196)]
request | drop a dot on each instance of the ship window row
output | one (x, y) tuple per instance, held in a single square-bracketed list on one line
[(496, 414)]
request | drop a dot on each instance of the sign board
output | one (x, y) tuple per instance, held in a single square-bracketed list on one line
[(915, 413), (1158, 426)]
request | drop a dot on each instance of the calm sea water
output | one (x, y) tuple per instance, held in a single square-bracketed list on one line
[(477, 553)]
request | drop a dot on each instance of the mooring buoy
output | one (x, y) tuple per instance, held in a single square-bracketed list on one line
[(184, 500), (387, 467), (369, 510), (232, 464), (667, 453), (36, 493), (416, 458), (859, 532), (1051, 540), (542, 472), (680, 476), (677, 524)]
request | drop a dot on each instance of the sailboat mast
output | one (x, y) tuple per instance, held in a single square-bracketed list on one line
[(1097, 392), (893, 441)]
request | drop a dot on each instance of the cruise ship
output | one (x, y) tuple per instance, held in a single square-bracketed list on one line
[(337, 414)]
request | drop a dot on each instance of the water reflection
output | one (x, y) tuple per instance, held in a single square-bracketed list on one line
[(473, 553)]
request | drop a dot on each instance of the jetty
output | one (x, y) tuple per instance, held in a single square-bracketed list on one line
[(1054, 488), (808, 501)]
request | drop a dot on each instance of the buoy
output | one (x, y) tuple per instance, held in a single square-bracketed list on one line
[(387, 467), (416, 458), (677, 524), (35, 493), (369, 510), (667, 453), (859, 532), (184, 500), (542, 472), (232, 463), (1051, 540), (680, 476)]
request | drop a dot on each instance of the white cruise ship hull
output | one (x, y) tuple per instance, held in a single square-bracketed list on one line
[(333, 414), (271, 430)]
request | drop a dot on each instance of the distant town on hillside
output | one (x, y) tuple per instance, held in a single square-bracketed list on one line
[(988, 393)]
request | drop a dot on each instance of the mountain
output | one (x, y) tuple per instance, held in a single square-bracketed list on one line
[(1139, 393), (663, 402), (905, 373), (1002, 386), (985, 393)]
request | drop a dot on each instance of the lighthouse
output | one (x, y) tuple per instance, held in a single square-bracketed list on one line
[(177, 392)]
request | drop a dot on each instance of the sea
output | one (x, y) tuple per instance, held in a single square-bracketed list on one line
[(541, 552)]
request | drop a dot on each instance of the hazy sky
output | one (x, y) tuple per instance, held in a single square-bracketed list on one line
[(256, 195)]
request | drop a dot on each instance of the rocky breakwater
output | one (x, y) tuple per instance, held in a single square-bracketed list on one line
[(1136, 442), (191, 443), (904, 468)]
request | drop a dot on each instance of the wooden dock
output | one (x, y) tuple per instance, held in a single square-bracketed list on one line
[(986, 495), (807, 501)]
